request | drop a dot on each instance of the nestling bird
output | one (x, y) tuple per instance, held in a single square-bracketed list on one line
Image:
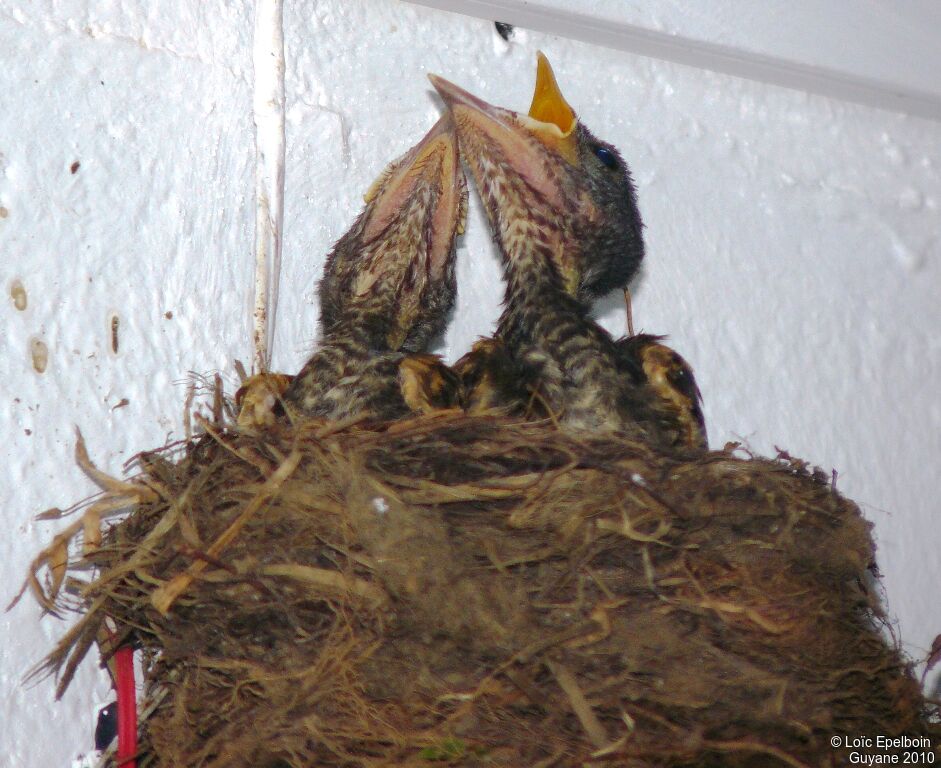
[(563, 209), (258, 399), (669, 378), (492, 380), (387, 289)]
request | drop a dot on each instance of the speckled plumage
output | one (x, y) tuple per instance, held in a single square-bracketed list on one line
[(388, 287), (568, 230), (665, 374), (562, 206), (494, 380)]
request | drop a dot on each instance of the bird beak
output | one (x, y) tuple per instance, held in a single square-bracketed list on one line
[(549, 105), (430, 170), (521, 141), (526, 167)]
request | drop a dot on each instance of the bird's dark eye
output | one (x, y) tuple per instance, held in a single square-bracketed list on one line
[(682, 382), (677, 377), (607, 157)]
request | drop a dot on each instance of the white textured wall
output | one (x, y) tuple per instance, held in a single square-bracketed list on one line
[(794, 255)]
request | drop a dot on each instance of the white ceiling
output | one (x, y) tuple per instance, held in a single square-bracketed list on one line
[(881, 53)]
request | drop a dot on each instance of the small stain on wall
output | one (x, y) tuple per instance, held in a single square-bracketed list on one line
[(3, 212), (115, 324), (504, 30), (18, 294), (39, 353)]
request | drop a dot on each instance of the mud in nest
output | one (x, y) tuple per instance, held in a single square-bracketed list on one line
[(480, 592)]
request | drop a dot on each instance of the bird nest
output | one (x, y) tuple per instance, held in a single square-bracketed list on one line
[(479, 591)]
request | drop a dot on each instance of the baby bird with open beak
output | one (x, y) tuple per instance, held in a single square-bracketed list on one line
[(563, 210), (387, 289)]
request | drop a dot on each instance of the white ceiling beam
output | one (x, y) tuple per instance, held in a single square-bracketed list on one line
[(579, 21)]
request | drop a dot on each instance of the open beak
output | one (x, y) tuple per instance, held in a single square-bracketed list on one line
[(549, 105), (529, 144)]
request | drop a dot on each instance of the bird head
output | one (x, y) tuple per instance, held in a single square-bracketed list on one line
[(670, 378), (544, 175), (393, 271)]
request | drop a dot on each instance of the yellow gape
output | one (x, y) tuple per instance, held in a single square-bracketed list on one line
[(549, 105)]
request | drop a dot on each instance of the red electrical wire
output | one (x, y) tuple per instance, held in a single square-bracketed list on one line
[(127, 706)]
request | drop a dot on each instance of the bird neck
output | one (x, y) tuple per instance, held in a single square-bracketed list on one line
[(565, 356), (535, 294), (360, 328)]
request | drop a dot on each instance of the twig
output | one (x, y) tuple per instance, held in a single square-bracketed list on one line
[(584, 712), (188, 409), (164, 597), (328, 580), (259, 462), (105, 481), (630, 312), (755, 747)]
